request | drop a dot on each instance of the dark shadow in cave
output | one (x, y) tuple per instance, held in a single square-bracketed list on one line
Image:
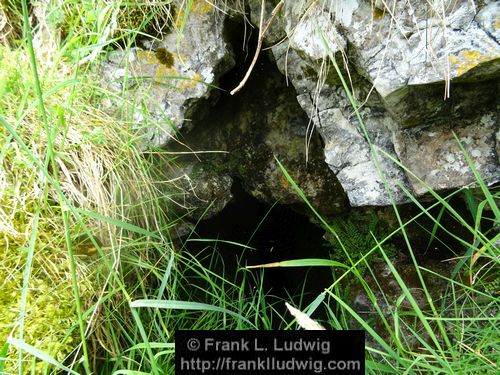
[(276, 233)]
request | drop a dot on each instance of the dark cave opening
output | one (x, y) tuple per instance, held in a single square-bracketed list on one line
[(268, 233), (250, 231)]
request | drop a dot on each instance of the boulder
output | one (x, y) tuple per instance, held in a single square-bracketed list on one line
[(421, 80), (418, 73), (170, 79), (243, 138)]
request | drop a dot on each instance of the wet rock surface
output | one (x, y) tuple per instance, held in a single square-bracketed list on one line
[(261, 124)]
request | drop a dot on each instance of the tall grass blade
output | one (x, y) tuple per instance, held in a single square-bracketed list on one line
[(144, 336), (26, 280), (3, 356), (301, 263), (185, 305), (479, 180), (21, 345), (76, 292)]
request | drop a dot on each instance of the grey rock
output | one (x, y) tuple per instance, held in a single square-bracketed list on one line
[(346, 150), (169, 79), (201, 192), (407, 67), (276, 32), (488, 19), (417, 73), (434, 155)]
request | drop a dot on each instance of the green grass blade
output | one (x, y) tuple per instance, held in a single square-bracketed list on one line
[(76, 292), (416, 309), (435, 227), (312, 262), (222, 241), (120, 224), (479, 180), (26, 280), (21, 345), (149, 351), (185, 17), (366, 327), (166, 275), (185, 305), (3, 356), (152, 345)]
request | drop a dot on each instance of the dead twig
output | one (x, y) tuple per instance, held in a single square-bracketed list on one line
[(262, 33)]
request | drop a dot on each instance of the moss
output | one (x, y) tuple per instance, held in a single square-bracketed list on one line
[(12, 80), (165, 57), (50, 310), (309, 72), (378, 14)]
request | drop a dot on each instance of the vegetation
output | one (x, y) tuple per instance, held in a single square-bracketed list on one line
[(90, 278)]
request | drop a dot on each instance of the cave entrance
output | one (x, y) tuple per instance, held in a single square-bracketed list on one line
[(248, 232), (262, 122)]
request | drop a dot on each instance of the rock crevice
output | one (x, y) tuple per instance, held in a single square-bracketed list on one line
[(419, 76)]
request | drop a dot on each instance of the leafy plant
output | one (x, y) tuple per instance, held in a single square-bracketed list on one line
[(356, 232)]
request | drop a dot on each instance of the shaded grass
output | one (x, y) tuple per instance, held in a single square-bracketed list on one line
[(456, 335)]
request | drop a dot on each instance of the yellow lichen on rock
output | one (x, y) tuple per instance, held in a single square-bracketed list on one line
[(201, 7), (149, 57), (198, 7), (162, 73), (159, 68), (467, 60), (148, 65), (195, 79)]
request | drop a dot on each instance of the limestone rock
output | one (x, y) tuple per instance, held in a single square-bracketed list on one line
[(276, 32), (264, 123), (170, 79), (414, 71), (346, 150), (201, 192), (434, 155), (488, 19), (417, 73)]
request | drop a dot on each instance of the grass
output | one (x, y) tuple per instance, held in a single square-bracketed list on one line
[(91, 278)]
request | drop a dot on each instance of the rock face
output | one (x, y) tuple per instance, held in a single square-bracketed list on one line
[(253, 129), (411, 81), (169, 80), (418, 73)]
